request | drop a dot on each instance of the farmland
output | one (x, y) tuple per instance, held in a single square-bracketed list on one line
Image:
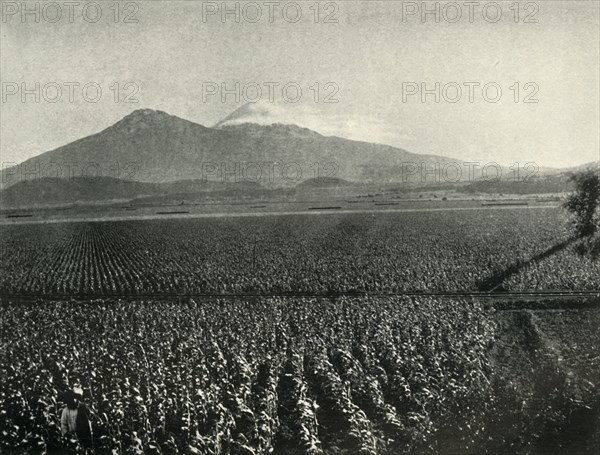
[(254, 341), (302, 376), (341, 253)]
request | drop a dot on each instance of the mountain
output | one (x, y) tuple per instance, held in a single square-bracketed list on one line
[(155, 147), (151, 154)]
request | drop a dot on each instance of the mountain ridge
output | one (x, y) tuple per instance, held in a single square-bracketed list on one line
[(156, 147), (156, 153)]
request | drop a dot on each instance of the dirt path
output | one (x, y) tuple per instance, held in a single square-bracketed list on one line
[(551, 359)]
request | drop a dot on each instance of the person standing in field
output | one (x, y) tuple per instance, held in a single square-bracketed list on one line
[(75, 418)]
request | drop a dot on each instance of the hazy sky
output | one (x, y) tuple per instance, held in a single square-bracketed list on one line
[(371, 58)]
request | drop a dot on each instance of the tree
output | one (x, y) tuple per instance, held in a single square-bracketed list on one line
[(584, 202)]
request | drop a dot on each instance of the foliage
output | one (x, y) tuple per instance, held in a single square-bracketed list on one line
[(584, 202), (295, 376), (245, 377), (389, 252)]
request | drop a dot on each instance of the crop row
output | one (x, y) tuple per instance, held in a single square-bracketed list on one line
[(293, 376), (384, 252)]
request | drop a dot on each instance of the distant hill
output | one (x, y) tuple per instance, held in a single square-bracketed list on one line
[(55, 191), (52, 191), (557, 183), (592, 165), (324, 182)]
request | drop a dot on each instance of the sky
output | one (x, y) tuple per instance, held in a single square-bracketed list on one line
[(361, 66)]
